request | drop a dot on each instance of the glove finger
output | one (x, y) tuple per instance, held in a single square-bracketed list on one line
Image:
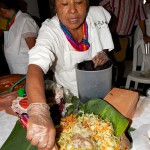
[(55, 147), (51, 140), (38, 136), (29, 134), (35, 140), (102, 61), (43, 140)]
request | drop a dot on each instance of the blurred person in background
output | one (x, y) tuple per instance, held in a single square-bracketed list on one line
[(138, 35), (125, 13), (19, 37)]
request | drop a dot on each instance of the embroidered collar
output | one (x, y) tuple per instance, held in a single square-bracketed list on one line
[(84, 44)]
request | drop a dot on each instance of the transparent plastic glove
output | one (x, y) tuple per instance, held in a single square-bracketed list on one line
[(40, 128), (100, 59)]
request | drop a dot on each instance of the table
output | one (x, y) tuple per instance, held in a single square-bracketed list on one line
[(7, 123), (141, 120)]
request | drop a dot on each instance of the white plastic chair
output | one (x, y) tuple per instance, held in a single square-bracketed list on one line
[(137, 75)]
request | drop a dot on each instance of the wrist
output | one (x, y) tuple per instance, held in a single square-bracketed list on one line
[(38, 108), (102, 52)]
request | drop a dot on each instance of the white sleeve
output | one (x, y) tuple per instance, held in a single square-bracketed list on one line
[(42, 53), (30, 28)]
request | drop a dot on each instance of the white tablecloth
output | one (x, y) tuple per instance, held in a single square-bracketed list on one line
[(7, 123), (141, 122)]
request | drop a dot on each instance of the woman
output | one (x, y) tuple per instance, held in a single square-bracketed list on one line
[(75, 34), (20, 36)]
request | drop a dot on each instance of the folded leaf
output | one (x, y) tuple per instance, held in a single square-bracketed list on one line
[(17, 140)]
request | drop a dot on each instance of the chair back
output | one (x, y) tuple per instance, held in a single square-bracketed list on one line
[(145, 50)]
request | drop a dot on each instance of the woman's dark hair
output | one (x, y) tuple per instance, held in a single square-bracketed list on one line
[(54, 1), (10, 4)]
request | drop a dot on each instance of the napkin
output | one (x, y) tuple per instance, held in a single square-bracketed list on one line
[(142, 114), (141, 139), (141, 122), (7, 123)]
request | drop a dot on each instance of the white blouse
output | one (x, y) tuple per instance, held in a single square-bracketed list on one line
[(52, 49), (15, 46)]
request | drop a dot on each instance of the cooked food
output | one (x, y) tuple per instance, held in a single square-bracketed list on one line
[(87, 132)]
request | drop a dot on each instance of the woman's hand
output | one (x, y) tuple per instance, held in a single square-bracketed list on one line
[(100, 59), (40, 128), (146, 39)]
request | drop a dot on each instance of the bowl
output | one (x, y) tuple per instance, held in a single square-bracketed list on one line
[(8, 80), (5, 83)]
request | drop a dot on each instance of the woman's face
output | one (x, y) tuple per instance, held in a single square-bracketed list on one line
[(71, 12), (2, 13), (5, 13)]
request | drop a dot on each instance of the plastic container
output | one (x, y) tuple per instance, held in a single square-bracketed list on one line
[(93, 84)]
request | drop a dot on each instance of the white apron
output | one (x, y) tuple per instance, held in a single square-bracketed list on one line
[(15, 47), (17, 62), (71, 58)]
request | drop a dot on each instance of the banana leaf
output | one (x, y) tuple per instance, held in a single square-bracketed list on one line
[(17, 139), (106, 111)]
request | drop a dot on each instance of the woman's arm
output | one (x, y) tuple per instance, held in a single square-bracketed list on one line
[(30, 41), (35, 85), (40, 128), (142, 25), (30, 32)]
